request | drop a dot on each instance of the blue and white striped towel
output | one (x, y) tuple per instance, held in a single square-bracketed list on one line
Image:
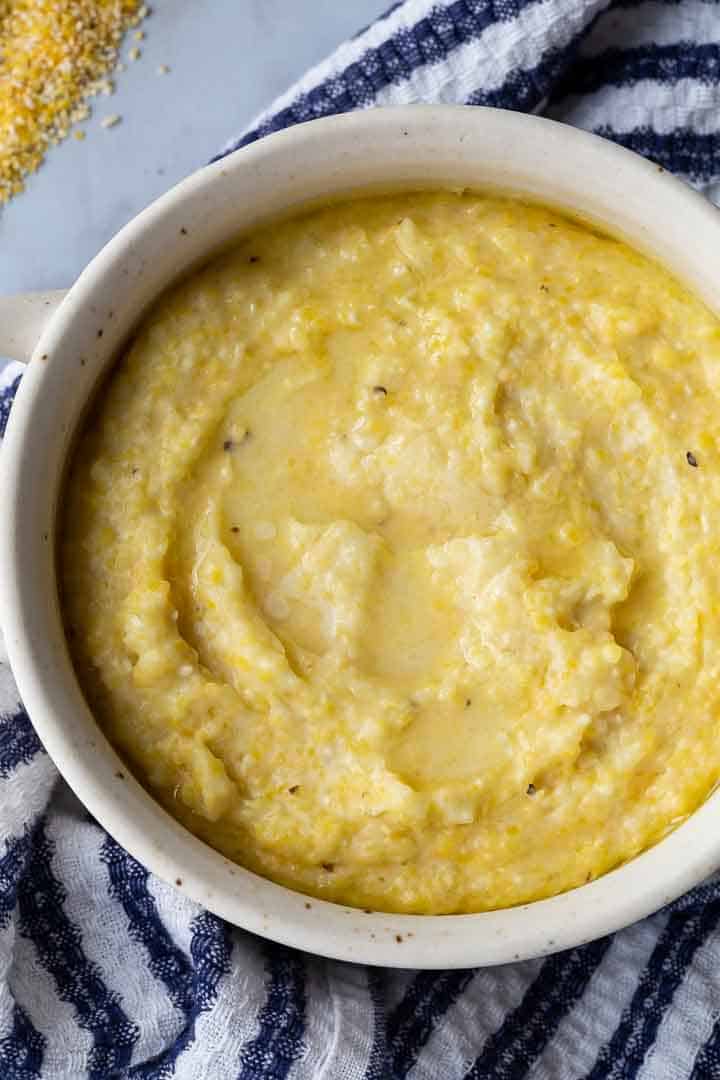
[(107, 972)]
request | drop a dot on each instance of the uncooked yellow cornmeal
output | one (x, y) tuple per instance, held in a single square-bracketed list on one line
[(390, 556), (53, 54)]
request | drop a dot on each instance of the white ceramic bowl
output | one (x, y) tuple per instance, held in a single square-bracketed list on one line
[(379, 149)]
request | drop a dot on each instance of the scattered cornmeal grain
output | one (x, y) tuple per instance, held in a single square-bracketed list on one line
[(134, 53), (163, 69), (53, 55), (110, 121)]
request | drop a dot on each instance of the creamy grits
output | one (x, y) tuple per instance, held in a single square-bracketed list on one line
[(390, 553)]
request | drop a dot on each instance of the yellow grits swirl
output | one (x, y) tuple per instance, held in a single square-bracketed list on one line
[(389, 553)]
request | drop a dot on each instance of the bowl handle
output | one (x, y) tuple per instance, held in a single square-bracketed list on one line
[(22, 320)]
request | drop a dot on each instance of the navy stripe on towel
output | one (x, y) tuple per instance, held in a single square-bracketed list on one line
[(19, 742), (429, 41), (424, 1005), (526, 1031), (12, 867), (378, 1067), (167, 962), (525, 91), (210, 952), (707, 1062), (681, 151), (625, 67), (58, 942), (280, 1037), (622, 1057), (21, 1052), (6, 400), (696, 898)]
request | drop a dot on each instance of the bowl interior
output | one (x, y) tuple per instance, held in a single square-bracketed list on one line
[(385, 149)]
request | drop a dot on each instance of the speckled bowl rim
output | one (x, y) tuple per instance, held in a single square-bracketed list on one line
[(412, 147)]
